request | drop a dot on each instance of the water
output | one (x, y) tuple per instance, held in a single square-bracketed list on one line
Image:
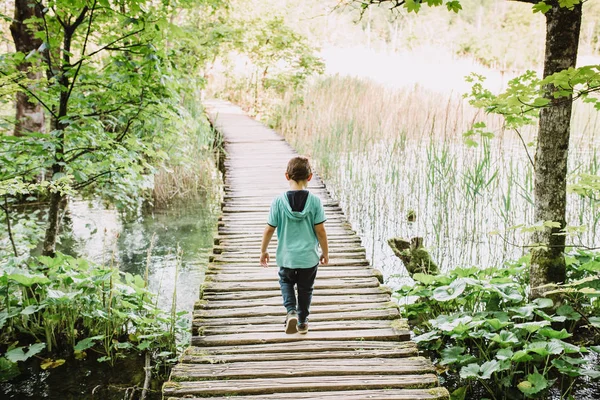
[(100, 233)]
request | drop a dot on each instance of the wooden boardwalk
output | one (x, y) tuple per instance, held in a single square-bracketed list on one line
[(357, 347)]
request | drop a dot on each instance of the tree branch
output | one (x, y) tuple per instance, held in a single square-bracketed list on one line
[(525, 146), (31, 93), (87, 35), (94, 179), (109, 45), (10, 235)]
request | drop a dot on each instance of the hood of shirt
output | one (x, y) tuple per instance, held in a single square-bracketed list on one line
[(296, 215)]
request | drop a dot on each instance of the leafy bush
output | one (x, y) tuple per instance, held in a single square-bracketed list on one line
[(68, 306), (482, 327)]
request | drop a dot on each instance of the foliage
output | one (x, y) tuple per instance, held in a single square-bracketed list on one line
[(65, 306), (484, 329), (278, 59)]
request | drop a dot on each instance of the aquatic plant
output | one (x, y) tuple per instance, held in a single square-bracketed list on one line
[(64, 306), (483, 329)]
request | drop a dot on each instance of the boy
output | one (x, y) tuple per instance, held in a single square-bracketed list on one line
[(299, 218)]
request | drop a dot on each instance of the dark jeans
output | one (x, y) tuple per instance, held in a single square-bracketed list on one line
[(305, 279)]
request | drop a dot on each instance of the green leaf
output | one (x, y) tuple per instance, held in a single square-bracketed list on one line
[(541, 7), (450, 292), (459, 394), (8, 370), (569, 4), (568, 312), (412, 6), (426, 337), (454, 6), (17, 354), (29, 280), (521, 356), (532, 326), (535, 383), (424, 278), (543, 302), (505, 338), (86, 343), (553, 334), (484, 371)]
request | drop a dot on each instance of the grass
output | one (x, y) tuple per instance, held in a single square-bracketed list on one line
[(387, 152)]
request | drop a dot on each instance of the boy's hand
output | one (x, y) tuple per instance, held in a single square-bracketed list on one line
[(324, 259), (264, 259)]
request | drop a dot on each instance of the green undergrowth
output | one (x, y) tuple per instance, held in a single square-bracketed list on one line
[(485, 332), (64, 307)]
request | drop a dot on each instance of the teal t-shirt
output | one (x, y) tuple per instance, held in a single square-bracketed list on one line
[(297, 241)]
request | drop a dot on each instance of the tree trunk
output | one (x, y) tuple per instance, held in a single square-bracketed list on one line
[(562, 39), (54, 216), (29, 115)]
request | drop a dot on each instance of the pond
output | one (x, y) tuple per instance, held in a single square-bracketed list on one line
[(182, 238)]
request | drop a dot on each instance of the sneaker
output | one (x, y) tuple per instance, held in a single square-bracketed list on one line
[(291, 322), (302, 327)]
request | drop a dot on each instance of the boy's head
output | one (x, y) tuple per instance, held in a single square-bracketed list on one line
[(298, 169)]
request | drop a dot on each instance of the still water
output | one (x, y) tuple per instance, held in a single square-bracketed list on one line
[(100, 233)]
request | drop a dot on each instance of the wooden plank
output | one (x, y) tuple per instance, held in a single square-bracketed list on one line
[(321, 355), (277, 327), (256, 273), (381, 394), (277, 300), (304, 384), (386, 313), (339, 283), (281, 337), (300, 368), (260, 311), (237, 295)]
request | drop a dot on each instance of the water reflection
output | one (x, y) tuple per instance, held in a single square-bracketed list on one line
[(100, 233)]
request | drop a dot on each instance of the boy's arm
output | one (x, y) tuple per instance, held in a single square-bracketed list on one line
[(266, 239), (322, 238)]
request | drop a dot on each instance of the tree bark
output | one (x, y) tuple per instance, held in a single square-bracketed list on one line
[(562, 39), (29, 115)]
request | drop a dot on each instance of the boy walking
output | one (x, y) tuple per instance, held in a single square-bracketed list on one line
[(298, 217)]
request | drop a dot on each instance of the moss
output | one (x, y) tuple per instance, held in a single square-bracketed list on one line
[(440, 392), (171, 385), (400, 325), (385, 289)]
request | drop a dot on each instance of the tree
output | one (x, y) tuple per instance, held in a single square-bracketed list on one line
[(563, 23), (29, 114), (106, 90)]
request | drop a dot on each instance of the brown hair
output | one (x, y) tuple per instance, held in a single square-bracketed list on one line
[(298, 169)]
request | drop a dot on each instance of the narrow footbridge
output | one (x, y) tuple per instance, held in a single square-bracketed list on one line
[(357, 346)]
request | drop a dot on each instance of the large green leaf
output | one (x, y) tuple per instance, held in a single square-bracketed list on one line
[(28, 279), (17, 354), (534, 384), (450, 292)]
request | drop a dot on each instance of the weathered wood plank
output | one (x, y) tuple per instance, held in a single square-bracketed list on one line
[(273, 310), (240, 295), (381, 394), (321, 355), (277, 300), (281, 337), (304, 384), (199, 329), (300, 368), (257, 273), (386, 313), (339, 283)]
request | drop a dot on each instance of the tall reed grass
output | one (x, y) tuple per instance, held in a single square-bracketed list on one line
[(386, 153), (191, 168)]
